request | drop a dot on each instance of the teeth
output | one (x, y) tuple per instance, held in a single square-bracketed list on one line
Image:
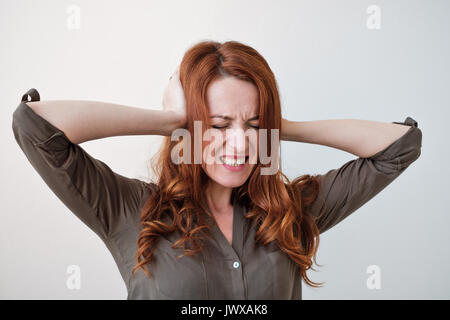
[(233, 162)]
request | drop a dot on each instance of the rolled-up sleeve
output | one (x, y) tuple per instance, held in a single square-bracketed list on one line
[(345, 189), (99, 197)]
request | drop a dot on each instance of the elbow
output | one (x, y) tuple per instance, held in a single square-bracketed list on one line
[(15, 121), (418, 144), (414, 151), (401, 154)]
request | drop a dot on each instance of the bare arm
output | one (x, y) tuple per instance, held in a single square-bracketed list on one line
[(362, 138), (89, 120)]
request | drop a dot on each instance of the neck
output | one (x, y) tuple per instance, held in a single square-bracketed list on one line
[(218, 197)]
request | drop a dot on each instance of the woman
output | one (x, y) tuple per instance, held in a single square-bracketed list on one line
[(214, 229)]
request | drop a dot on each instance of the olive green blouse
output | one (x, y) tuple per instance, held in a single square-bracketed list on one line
[(109, 204)]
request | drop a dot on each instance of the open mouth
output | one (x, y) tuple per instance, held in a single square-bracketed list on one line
[(234, 163)]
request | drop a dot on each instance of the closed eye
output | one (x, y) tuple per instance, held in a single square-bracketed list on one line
[(218, 127)]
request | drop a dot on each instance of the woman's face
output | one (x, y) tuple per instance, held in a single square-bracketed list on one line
[(234, 110)]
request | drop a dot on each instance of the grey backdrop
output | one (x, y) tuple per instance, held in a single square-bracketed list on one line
[(329, 63)]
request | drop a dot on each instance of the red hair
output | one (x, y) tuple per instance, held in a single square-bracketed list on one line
[(279, 207)]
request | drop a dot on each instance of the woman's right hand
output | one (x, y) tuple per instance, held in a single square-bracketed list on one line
[(173, 98)]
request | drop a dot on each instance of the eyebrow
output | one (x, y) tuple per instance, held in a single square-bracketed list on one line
[(229, 118)]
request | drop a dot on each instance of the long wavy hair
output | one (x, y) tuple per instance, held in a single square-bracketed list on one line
[(277, 206)]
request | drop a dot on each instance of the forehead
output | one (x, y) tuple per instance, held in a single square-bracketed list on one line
[(233, 97)]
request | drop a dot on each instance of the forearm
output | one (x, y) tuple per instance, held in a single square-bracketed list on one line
[(362, 138), (84, 120)]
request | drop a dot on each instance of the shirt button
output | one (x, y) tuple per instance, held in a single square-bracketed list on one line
[(236, 264)]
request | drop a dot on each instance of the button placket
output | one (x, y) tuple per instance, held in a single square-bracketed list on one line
[(231, 253)]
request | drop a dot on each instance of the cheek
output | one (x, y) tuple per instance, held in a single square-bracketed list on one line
[(253, 150), (209, 161), (209, 149)]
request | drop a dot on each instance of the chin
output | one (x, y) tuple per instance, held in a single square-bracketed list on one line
[(227, 181), (230, 184)]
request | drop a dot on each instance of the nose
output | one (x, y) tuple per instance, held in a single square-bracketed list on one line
[(235, 142)]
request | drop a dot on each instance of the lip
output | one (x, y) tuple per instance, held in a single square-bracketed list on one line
[(238, 168), (233, 156)]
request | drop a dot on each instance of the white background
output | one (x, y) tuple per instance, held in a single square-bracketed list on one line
[(328, 64)]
